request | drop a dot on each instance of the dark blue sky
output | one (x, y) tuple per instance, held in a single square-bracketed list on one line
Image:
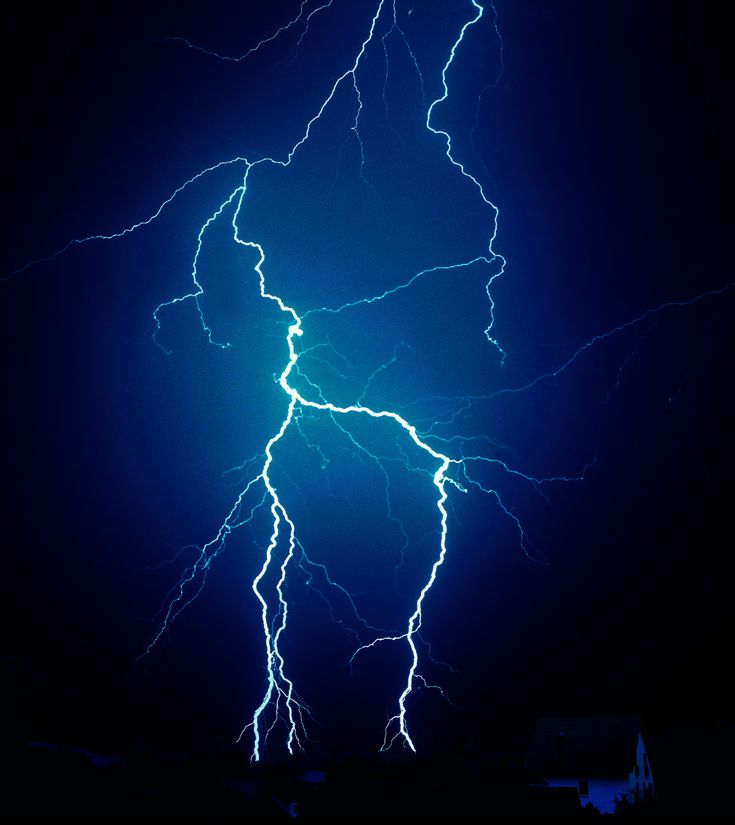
[(604, 144)]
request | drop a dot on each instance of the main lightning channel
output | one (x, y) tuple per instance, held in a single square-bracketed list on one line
[(440, 480), (279, 686)]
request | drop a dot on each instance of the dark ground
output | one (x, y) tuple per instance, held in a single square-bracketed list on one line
[(692, 764)]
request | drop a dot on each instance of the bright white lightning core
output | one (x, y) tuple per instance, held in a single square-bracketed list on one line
[(275, 661)]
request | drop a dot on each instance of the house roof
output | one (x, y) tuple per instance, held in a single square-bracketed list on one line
[(586, 747)]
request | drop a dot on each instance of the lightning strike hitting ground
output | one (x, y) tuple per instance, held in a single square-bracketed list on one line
[(280, 688), (451, 466)]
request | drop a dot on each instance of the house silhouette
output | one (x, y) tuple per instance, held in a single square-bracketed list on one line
[(604, 759)]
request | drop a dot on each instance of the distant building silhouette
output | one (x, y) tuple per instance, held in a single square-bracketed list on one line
[(603, 758)]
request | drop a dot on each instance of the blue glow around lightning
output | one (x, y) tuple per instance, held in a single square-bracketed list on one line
[(452, 458)]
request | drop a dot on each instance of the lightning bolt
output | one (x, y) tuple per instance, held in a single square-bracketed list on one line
[(451, 459), (280, 689)]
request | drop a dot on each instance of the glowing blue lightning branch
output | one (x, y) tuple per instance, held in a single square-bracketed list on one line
[(129, 229), (198, 291), (474, 180), (262, 42), (393, 290), (650, 313), (384, 40)]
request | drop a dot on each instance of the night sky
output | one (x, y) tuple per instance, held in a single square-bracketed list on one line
[(603, 139)]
